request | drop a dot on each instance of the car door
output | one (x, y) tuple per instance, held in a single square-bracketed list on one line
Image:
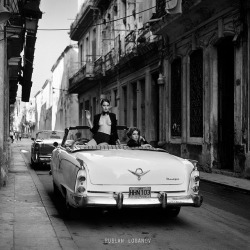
[(67, 169), (32, 149), (55, 161)]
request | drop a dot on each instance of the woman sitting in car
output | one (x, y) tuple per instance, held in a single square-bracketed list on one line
[(135, 139)]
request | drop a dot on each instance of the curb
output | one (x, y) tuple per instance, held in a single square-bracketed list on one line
[(242, 190), (63, 235)]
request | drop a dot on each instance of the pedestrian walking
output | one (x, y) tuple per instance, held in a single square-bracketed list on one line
[(20, 136), (12, 136)]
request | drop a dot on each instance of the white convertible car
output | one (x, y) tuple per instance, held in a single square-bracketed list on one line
[(120, 176)]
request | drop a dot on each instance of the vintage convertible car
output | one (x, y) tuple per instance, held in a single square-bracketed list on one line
[(120, 176), (43, 145)]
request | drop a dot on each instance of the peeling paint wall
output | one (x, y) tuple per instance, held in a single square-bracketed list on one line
[(4, 111)]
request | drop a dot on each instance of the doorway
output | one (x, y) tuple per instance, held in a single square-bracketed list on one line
[(226, 65), (154, 115)]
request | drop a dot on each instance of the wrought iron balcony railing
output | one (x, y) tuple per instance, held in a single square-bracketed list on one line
[(87, 71)]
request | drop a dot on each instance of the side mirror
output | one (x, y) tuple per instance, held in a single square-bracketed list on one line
[(32, 139), (55, 144)]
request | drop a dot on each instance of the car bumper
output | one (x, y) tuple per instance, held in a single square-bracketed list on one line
[(44, 158), (121, 200)]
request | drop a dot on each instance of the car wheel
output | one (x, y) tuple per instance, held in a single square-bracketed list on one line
[(57, 193), (69, 211), (173, 211), (32, 163)]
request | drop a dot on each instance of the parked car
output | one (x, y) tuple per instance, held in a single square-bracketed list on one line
[(25, 135), (120, 176), (43, 145)]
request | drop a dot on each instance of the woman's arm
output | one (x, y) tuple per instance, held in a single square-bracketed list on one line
[(88, 116)]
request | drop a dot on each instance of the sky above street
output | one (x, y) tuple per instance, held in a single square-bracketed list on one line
[(57, 14)]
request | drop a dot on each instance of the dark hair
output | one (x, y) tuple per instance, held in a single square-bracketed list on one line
[(131, 131), (105, 100)]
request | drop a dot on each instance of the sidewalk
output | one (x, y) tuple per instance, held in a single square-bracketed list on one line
[(29, 219), (221, 179)]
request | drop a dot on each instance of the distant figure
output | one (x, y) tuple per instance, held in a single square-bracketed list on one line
[(20, 136), (104, 126), (12, 136), (135, 140)]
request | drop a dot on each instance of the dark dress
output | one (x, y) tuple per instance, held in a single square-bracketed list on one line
[(113, 136), (133, 143)]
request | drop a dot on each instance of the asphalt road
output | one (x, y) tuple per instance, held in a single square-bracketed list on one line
[(222, 222)]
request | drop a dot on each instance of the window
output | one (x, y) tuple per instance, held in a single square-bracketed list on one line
[(81, 113), (87, 49), (176, 114), (125, 103), (87, 107), (94, 105), (134, 106), (196, 94), (143, 121), (94, 46), (81, 56), (115, 97)]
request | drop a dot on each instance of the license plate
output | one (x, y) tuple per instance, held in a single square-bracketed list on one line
[(139, 192)]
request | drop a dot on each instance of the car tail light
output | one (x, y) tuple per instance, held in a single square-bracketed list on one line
[(194, 180), (81, 182), (81, 189), (197, 178), (82, 178)]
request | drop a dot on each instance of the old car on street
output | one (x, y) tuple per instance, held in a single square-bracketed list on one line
[(43, 144), (120, 176)]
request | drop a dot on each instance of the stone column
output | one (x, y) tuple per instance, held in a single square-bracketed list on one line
[(247, 164), (3, 133)]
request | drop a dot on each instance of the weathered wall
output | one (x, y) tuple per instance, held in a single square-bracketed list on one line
[(4, 111)]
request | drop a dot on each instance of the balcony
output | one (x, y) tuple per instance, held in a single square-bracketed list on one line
[(98, 67), (193, 12), (83, 20), (108, 60), (82, 79)]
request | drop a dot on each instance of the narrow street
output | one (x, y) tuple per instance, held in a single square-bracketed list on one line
[(222, 222)]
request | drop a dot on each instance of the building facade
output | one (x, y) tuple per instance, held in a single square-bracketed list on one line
[(206, 62), (56, 109), (18, 27), (179, 70)]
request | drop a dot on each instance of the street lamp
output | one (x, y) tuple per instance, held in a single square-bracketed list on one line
[(4, 14), (160, 79)]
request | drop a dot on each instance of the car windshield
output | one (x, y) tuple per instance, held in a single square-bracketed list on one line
[(42, 135), (78, 138)]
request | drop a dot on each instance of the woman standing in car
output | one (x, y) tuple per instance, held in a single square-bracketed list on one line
[(104, 126)]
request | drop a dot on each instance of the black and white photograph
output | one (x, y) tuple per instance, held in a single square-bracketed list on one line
[(124, 124)]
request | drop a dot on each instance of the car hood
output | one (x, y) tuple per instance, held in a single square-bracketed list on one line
[(46, 146), (134, 167), (49, 141)]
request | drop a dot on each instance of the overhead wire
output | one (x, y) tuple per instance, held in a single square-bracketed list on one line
[(111, 21)]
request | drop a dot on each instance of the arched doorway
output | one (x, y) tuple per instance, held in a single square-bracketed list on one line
[(226, 68)]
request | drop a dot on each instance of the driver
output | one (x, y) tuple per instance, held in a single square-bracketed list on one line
[(78, 135)]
